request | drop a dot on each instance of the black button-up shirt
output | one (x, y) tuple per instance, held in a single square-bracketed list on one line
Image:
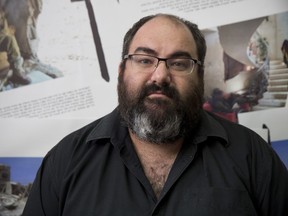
[(222, 169)]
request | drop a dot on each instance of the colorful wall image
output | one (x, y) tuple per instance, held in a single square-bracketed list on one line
[(16, 178), (20, 64), (246, 66)]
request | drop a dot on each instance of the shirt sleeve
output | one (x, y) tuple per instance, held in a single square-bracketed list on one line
[(43, 199), (270, 180)]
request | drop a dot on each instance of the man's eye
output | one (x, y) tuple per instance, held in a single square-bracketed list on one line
[(144, 61), (179, 64)]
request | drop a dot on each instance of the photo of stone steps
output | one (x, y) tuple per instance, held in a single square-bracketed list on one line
[(277, 89)]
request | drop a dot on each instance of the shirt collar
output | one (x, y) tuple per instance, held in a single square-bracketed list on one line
[(112, 127), (211, 127)]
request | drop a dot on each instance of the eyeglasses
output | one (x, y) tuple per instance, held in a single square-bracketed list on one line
[(148, 63)]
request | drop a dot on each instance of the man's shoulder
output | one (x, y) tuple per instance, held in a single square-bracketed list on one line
[(229, 125), (238, 134), (79, 138), (96, 126)]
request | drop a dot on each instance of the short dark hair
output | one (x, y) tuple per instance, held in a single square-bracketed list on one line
[(197, 34)]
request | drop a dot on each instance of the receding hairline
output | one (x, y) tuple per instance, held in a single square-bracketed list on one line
[(175, 19), (178, 21)]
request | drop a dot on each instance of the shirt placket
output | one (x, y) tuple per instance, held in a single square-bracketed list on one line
[(184, 159)]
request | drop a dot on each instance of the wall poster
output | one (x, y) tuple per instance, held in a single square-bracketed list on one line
[(59, 63)]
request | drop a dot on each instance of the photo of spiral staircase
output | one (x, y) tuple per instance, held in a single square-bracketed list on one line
[(277, 89)]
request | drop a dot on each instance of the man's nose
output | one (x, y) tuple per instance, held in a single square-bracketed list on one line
[(161, 73)]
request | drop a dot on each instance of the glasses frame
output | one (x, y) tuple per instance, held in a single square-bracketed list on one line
[(130, 56)]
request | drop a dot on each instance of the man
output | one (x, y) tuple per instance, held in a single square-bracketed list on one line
[(159, 153)]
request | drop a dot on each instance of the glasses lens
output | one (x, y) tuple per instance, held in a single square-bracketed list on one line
[(180, 65), (144, 62)]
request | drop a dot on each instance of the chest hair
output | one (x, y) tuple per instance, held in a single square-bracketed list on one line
[(156, 160), (157, 173)]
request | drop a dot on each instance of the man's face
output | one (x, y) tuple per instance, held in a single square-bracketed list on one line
[(158, 106)]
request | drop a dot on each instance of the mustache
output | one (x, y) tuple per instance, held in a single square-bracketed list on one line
[(169, 91)]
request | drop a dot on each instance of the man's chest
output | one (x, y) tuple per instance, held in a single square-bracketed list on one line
[(114, 187)]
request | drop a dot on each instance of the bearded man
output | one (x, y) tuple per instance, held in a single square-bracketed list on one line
[(159, 152)]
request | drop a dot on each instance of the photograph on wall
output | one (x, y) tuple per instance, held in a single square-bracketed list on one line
[(246, 67), (64, 68), (16, 178), (20, 64)]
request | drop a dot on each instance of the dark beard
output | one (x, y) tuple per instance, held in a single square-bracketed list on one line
[(159, 120)]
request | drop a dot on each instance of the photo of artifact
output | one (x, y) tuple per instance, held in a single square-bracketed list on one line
[(19, 40)]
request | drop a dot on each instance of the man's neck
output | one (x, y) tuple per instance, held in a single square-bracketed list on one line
[(156, 160)]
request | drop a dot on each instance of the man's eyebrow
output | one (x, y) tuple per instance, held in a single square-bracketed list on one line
[(145, 50), (150, 51), (180, 54)]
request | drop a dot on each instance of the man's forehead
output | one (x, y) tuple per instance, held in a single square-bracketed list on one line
[(164, 26), (162, 21), (164, 33)]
